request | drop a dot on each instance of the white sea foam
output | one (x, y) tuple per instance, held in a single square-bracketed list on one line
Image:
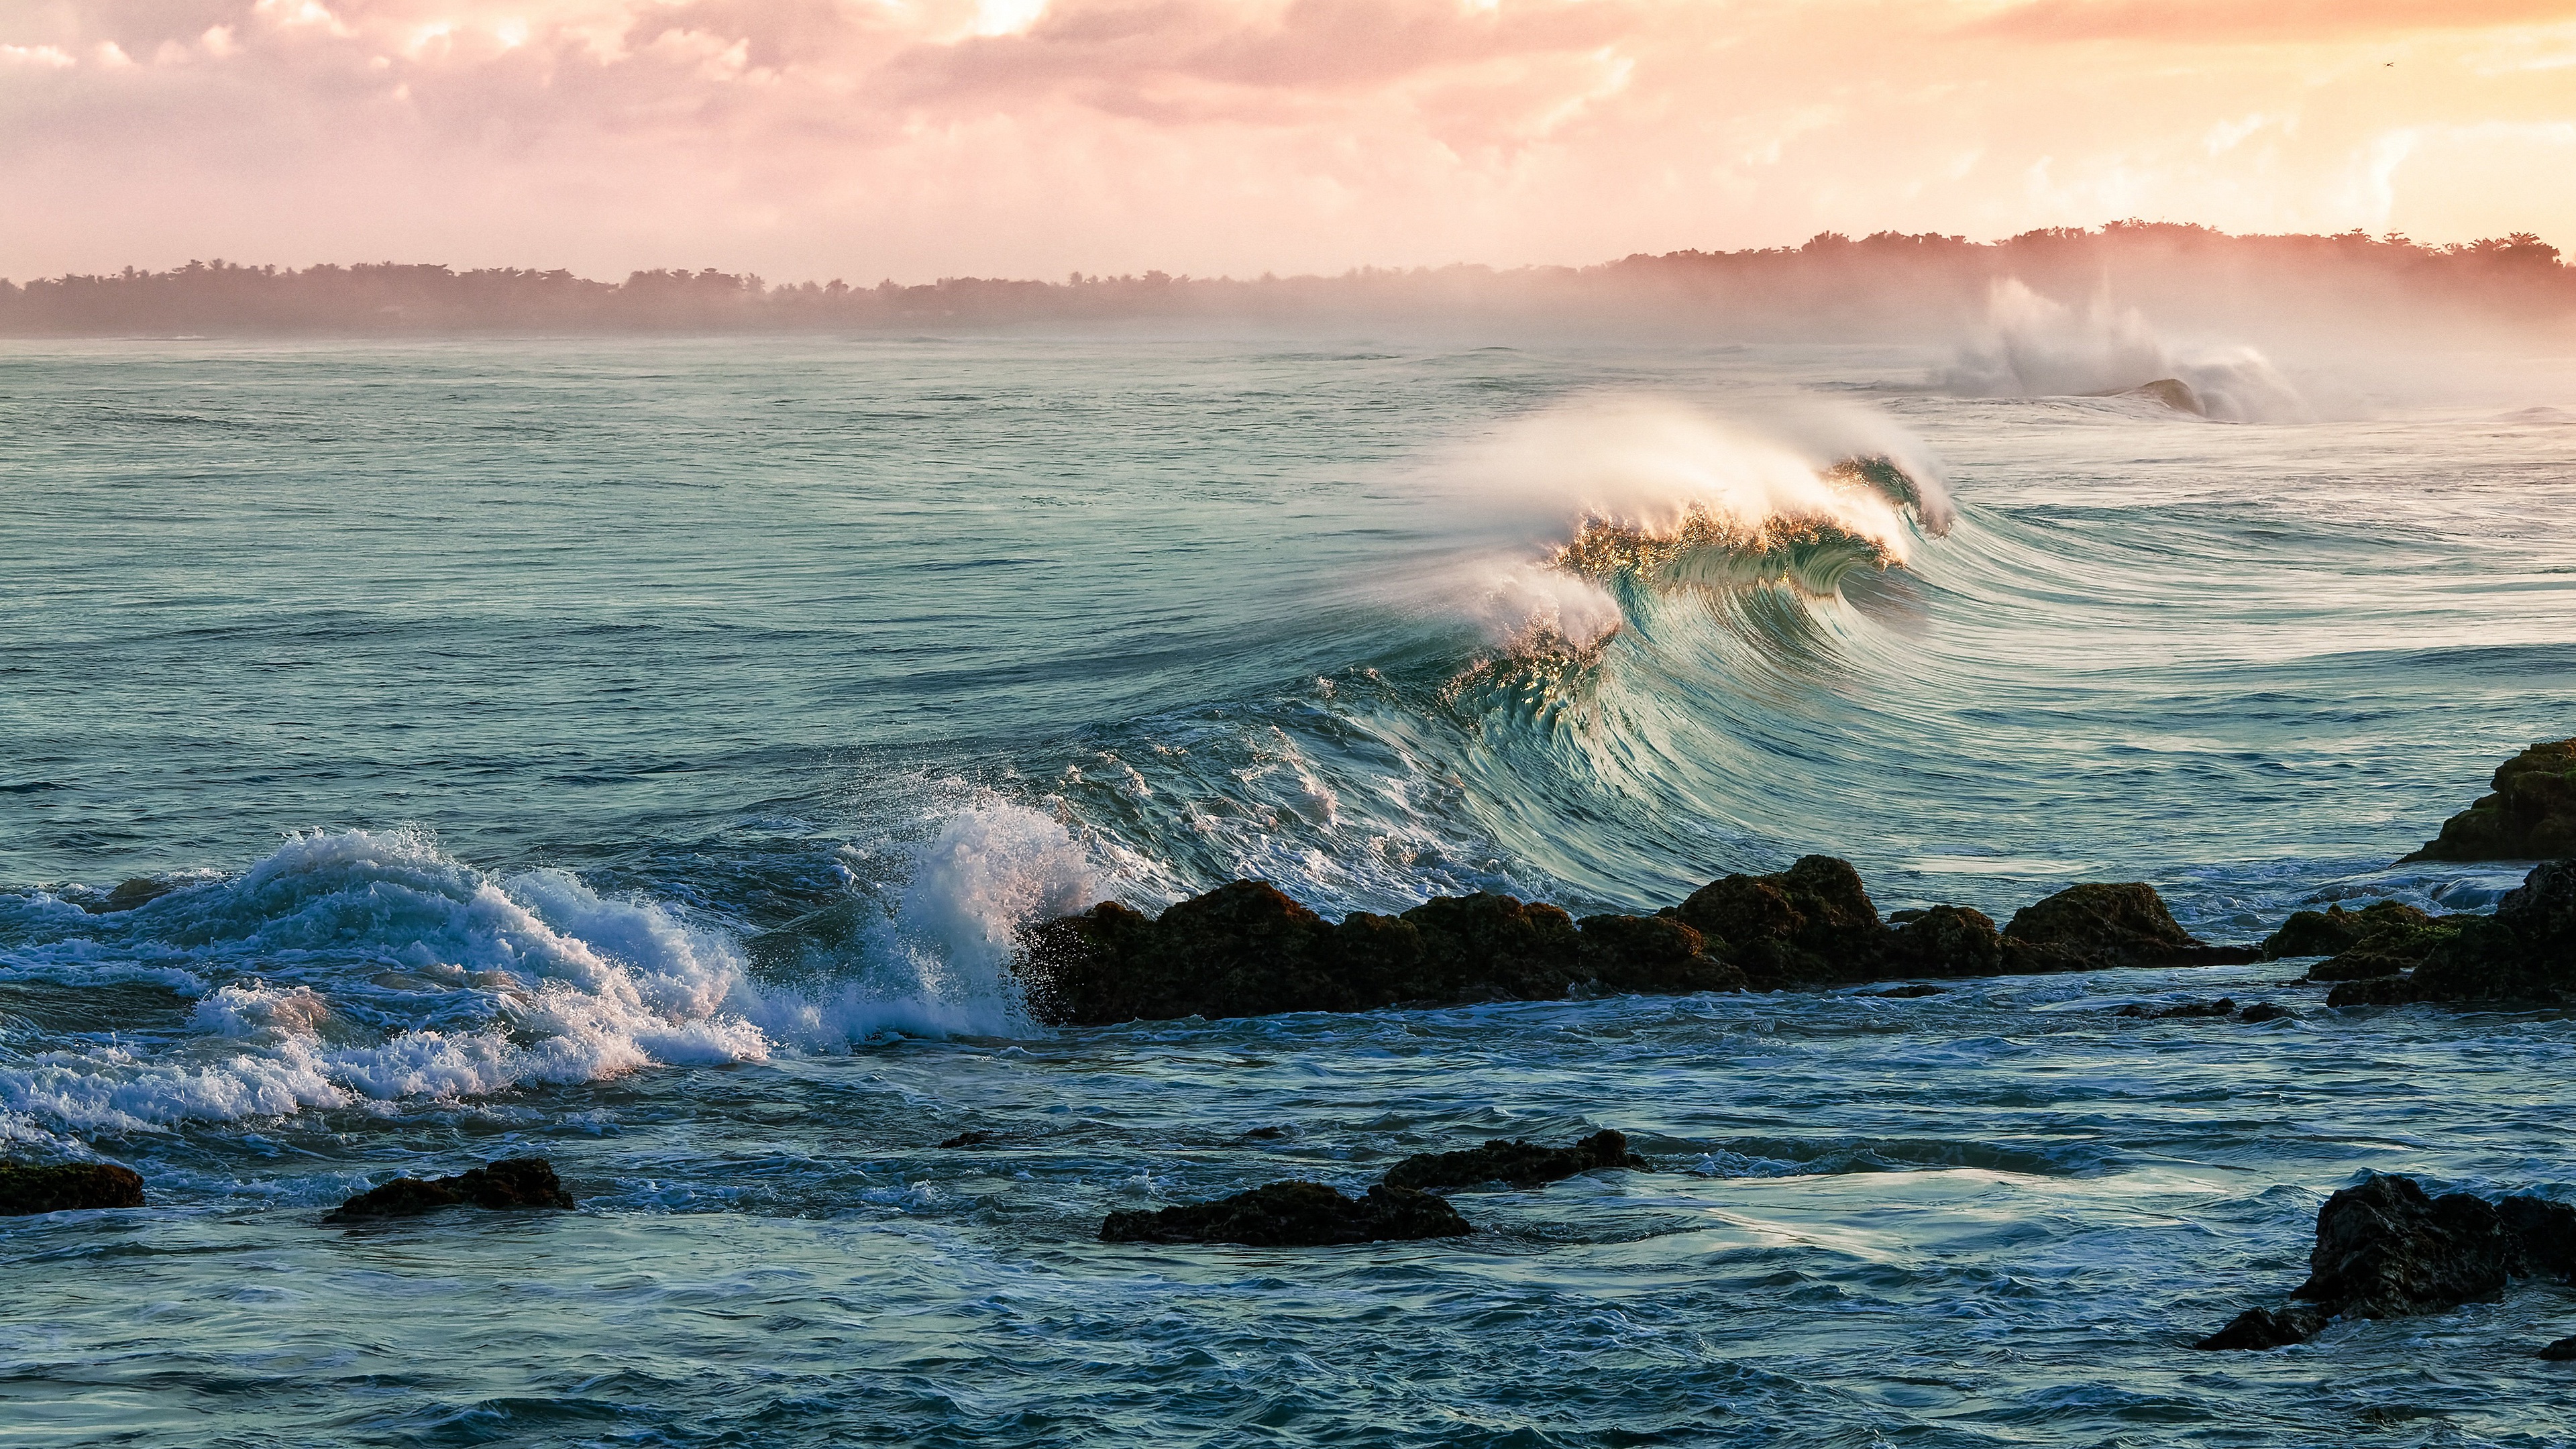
[(2036, 346), (498, 982)]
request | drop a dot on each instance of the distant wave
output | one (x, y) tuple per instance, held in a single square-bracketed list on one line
[(2035, 346)]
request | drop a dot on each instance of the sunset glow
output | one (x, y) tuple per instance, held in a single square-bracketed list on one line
[(920, 138)]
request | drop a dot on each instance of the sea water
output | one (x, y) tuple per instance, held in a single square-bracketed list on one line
[(647, 754)]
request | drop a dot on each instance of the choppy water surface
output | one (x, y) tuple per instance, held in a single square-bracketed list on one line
[(644, 754)]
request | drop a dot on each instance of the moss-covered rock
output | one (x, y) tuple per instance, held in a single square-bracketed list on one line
[(2529, 815)]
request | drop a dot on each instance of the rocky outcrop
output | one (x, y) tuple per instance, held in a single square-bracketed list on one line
[(1654, 956), (515, 1182), (2563, 1351), (27, 1187), (2530, 814), (2097, 927), (1246, 949), (2386, 1249), (1520, 1164), (2384, 938), (1293, 1215), (2524, 954), (1809, 925)]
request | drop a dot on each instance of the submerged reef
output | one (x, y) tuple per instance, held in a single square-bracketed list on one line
[(1246, 949), (2387, 1249), (2530, 813), (514, 1182)]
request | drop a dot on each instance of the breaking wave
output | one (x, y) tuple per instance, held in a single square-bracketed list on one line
[(2036, 346), (364, 969)]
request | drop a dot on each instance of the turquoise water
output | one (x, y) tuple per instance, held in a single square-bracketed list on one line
[(646, 753)]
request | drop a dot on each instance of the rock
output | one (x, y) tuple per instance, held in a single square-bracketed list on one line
[(2186, 1010), (1919, 988), (2385, 1249), (2540, 1236), (2385, 938), (976, 1138), (2258, 1328), (128, 894), (2531, 814), (27, 1187), (1293, 1215), (1946, 941), (1812, 923), (2264, 1011), (2563, 1351), (2098, 927), (1522, 1164), (1654, 955), (2374, 991), (514, 1182), (1488, 946), (1090, 969), (2525, 952)]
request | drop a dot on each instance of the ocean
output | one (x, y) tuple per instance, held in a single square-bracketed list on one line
[(648, 754)]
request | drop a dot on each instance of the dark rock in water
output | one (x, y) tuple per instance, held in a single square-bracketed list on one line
[(2540, 1237), (2375, 991), (1919, 988), (2562, 1351), (27, 1187), (1946, 941), (2386, 1249), (2223, 1006), (2097, 927), (1488, 946), (129, 894), (2525, 952), (2258, 1328), (1245, 949), (1293, 1215), (2384, 938), (1522, 1164), (1811, 923), (2264, 1011), (976, 1138), (2531, 814), (514, 1182), (1654, 955)]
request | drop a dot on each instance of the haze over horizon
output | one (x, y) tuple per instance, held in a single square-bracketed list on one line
[(1032, 138)]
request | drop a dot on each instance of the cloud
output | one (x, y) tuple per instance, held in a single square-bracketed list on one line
[(918, 138), (2206, 22)]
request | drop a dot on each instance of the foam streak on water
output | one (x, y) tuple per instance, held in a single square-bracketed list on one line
[(649, 755)]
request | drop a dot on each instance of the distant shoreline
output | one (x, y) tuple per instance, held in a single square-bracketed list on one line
[(1883, 286)]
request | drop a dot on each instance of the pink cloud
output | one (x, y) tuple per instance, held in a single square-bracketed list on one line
[(919, 138)]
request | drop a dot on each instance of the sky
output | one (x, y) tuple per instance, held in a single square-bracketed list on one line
[(915, 139)]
